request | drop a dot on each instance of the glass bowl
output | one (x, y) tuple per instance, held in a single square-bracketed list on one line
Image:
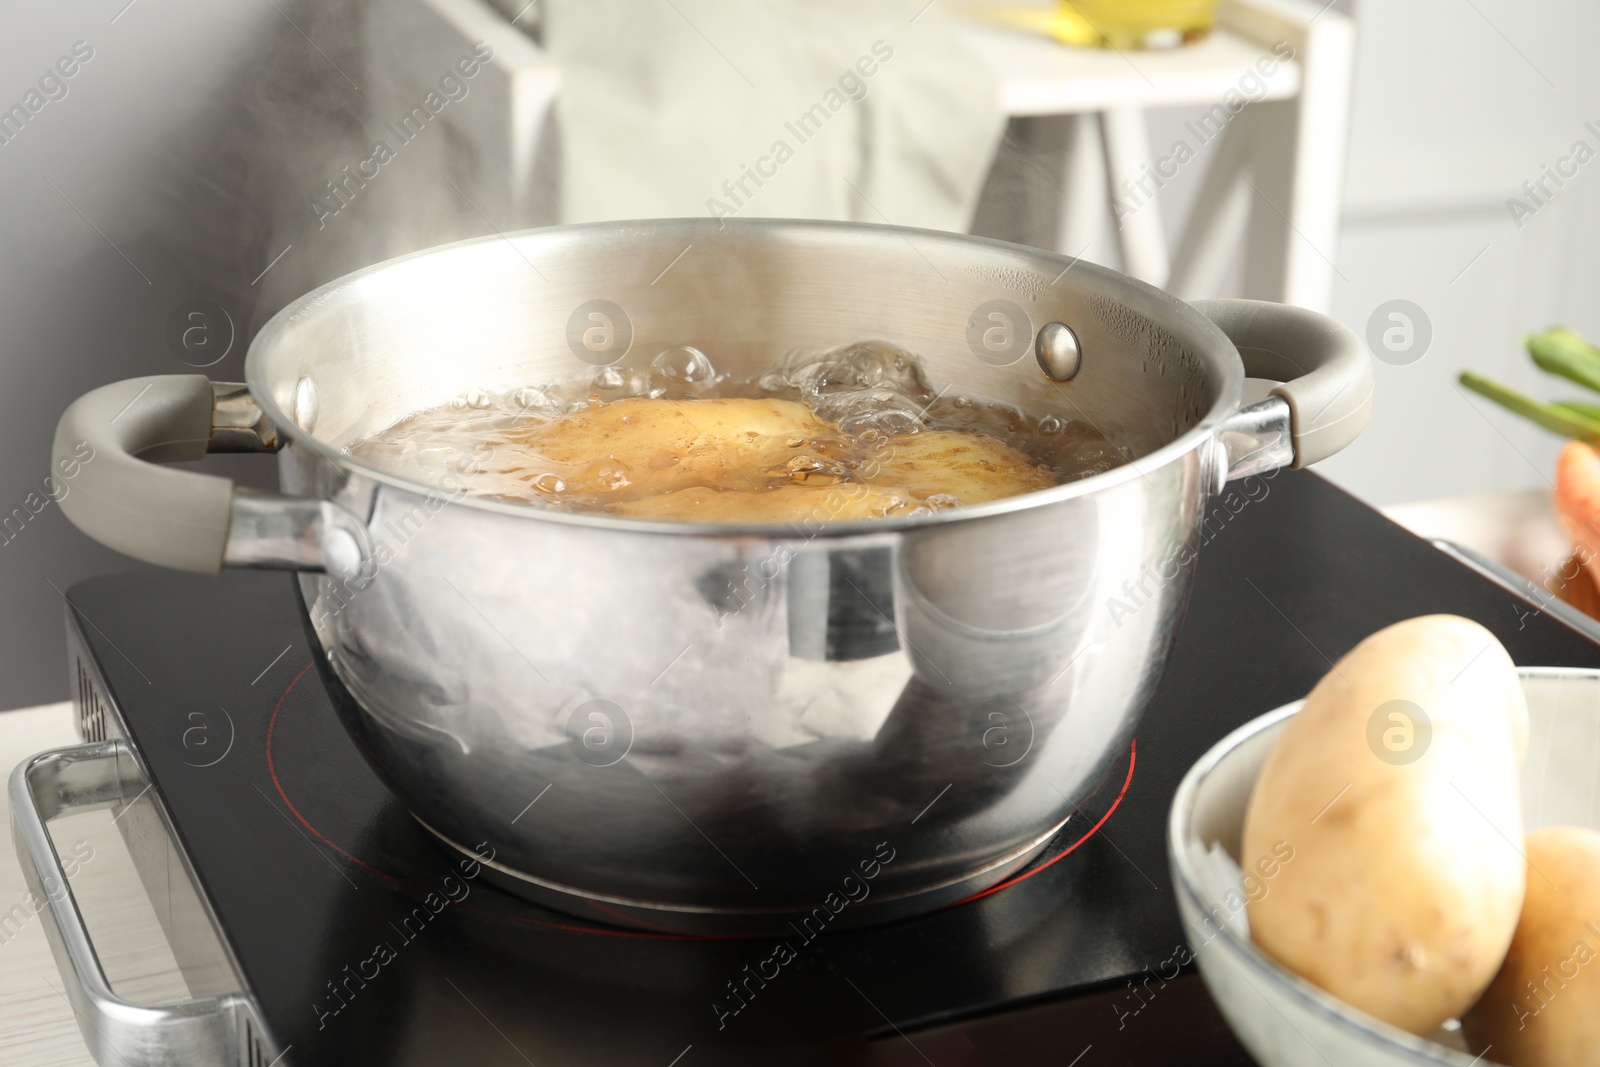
[(1283, 1020)]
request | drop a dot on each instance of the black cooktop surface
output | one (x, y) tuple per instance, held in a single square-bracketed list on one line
[(363, 943)]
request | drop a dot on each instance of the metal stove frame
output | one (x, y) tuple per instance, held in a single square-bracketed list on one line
[(221, 1024)]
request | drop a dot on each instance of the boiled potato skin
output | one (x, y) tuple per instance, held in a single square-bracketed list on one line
[(669, 445), (1405, 888), (970, 468), (1543, 1008), (738, 460)]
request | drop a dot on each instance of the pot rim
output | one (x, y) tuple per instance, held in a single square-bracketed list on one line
[(1226, 402)]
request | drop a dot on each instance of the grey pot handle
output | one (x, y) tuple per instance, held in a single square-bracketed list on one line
[(105, 774), (1325, 395), (109, 443)]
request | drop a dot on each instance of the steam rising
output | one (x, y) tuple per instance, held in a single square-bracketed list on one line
[(339, 144)]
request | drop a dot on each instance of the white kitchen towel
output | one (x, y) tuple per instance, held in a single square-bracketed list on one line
[(862, 110)]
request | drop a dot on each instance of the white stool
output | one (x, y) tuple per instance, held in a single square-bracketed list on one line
[(1274, 175), (1275, 166)]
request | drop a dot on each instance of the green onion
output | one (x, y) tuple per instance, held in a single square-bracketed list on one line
[(1564, 353), (1563, 420), (1579, 408)]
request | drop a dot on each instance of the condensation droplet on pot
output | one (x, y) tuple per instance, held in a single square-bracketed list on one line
[(305, 405), (684, 364)]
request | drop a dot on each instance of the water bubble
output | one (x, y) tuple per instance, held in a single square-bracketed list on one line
[(892, 423), (610, 378), (943, 501), (639, 383), (535, 400), (549, 483), (684, 363), (1051, 425), (610, 476)]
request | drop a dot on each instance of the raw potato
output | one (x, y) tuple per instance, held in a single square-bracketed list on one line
[(1404, 887), (1543, 1008)]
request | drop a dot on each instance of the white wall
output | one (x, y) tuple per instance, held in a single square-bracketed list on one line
[(1449, 119), (1457, 103)]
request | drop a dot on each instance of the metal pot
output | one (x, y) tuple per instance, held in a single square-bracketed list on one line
[(728, 728)]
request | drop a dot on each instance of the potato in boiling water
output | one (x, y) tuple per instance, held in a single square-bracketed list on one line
[(764, 460), (668, 445), (967, 467)]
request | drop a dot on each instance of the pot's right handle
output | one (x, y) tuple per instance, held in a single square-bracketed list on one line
[(104, 465), (1325, 395)]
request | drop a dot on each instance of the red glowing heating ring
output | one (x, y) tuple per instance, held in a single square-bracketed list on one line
[(272, 770)]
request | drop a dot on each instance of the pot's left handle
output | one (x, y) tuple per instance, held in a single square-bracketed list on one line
[(108, 447)]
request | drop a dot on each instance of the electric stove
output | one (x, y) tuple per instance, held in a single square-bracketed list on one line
[(302, 898)]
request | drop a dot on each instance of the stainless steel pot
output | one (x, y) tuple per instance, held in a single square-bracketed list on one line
[(728, 728)]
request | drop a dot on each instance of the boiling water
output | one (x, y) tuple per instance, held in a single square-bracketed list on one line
[(873, 392)]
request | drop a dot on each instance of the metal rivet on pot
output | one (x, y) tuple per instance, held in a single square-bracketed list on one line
[(1058, 351), (305, 405)]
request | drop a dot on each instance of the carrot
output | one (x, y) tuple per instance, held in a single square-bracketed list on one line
[(1577, 498), (1563, 353)]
